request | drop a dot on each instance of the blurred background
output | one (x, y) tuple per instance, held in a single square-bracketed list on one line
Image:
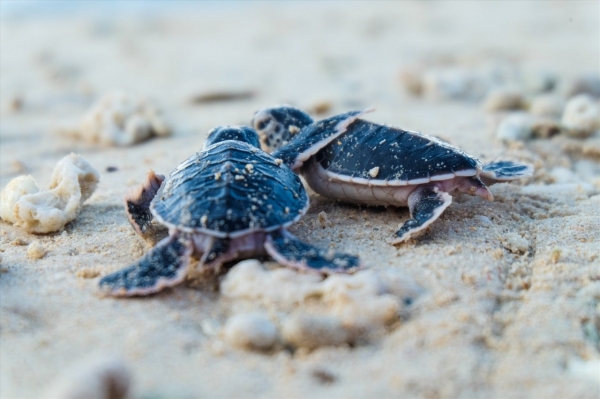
[(425, 65)]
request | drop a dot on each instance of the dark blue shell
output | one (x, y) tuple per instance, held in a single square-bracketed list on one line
[(217, 192), (399, 154)]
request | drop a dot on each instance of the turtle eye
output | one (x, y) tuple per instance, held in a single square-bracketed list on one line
[(262, 124)]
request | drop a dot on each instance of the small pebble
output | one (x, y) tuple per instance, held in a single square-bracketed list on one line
[(15, 104), (412, 80), (540, 81), (320, 107), (555, 255), (210, 327), (517, 126), (581, 116), (322, 219), (484, 219), (503, 99), (35, 250), (106, 378), (547, 106), (515, 243), (454, 84), (250, 331), (111, 169), (87, 272), (546, 128), (19, 242)]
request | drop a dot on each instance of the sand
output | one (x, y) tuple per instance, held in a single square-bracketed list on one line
[(510, 289)]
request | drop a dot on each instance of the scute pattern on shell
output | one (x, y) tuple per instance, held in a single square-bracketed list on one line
[(215, 191), (311, 135), (399, 154)]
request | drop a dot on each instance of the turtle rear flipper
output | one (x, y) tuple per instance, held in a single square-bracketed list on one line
[(289, 251), (500, 171), (426, 204), (137, 202), (314, 137), (164, 266), (219, 251)]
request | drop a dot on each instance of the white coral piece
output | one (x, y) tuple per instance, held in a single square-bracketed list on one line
[(23, 204), (121, 120), (347, 305)]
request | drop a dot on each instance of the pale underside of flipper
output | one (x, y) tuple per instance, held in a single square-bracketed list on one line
[(164, 266), (426, 204), (289, 251), (138, 199)]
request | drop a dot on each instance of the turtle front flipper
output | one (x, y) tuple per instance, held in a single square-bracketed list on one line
[(164, 266), (426, 204), (289, 251), (314, 137), (137, 202), (500, 171)]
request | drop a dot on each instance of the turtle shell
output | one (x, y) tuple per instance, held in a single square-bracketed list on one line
[(372, 152), (228, 190)]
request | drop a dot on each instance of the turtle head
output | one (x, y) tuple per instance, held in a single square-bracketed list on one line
[(238, 133), (276, 126)]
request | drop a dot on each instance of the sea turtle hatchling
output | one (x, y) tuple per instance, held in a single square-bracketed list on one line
[(374, 164), (231, 200)]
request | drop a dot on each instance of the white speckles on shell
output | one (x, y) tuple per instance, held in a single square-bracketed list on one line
[(374, 172), (582, 116), (294, 129), (515, 127), (251, 331), (217, 175), (279, 161), (249, 167), (23, 204)]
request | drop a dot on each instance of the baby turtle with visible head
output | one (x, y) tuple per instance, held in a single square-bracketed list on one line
[(231, 200), (374, 164)]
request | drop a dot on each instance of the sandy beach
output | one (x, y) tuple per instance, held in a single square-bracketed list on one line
[(498, 299)]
